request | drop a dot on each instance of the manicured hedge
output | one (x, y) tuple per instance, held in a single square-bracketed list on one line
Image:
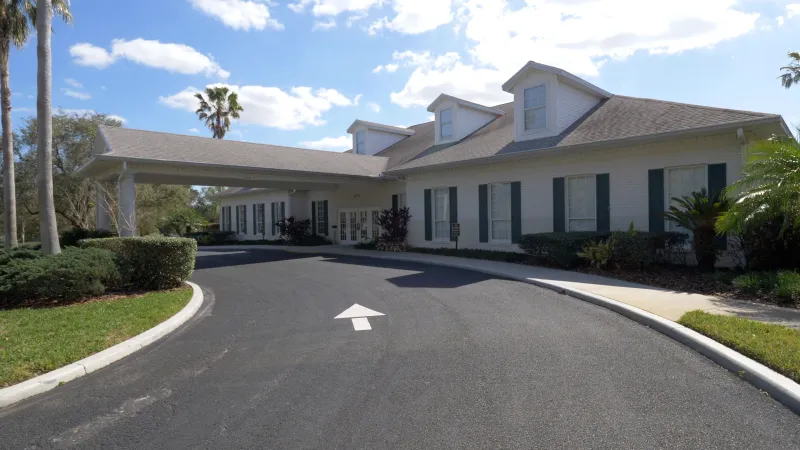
[(75, 273), (559, 249), (150, 262), (70, 238)]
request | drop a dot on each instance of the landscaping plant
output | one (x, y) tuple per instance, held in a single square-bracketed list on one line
[(394, 229), (71, 238), (598, 254), (559, 249), (698, 214), (292, 230)]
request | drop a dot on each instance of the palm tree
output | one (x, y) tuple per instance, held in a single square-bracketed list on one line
[(698, 214), (792, 75), (769, 188), (218, 110), (43, 18), (15, 16)]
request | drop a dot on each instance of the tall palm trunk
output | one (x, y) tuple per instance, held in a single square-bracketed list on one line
[(48, 229), (9, 190)]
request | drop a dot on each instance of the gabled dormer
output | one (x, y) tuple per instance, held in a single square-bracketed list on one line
[(370, 138), (457, 118), (547, 100)]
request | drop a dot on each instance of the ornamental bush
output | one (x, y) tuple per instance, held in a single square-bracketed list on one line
[(559, 249), (394, 225), (151, 262), (293, 231), (73, 274), (70, 238)]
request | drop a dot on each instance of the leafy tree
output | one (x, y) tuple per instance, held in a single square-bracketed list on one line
[(182, 221), (394, 229), (217, 108), (768, 189), (15, 16), (698, 214), (791, 75)]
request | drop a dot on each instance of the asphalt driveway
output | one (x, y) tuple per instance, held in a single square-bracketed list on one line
[(459, 360)]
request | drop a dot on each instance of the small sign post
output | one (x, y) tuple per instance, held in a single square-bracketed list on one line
[(455, 231)]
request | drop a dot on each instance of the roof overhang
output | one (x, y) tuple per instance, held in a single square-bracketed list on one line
[(380, 127), (508, 86), (465, 103)]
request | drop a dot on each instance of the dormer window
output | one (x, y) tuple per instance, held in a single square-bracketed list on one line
[(446, 123), (536, 108), (360, 142)]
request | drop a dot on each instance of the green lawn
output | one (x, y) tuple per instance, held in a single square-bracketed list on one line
[(775, 346), (36, 341)]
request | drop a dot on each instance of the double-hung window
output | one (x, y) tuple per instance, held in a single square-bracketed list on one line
[(441, 214), (401, 201), (259, 219), (446, 123), (535, 108), (277, 214), (500, 212), (360, 136), (682, 181), (582, 203), (321, 219), (242, 219)]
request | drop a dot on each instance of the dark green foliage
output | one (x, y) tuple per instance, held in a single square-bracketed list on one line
[(294, 231), (71, 237), (150, 262), (394, 226), (559, 249), (368, 245), (598, 254), (491, 255), (636, 250), (698, 214), (783, 284), (73, 274), (765, 248), (311, 240), (213, 237)]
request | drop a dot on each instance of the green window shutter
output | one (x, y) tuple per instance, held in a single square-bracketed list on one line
[(274, 216), (244, 219), (559, 205), (603, 192), (516, 212), (313, 217), (483, 213), (428, 216), (222, 219), (255, 219), (394, 202), (655, 191), (237, 219), (283, 210), (263, 219), (453, 200), (717, 181), (325, 219)]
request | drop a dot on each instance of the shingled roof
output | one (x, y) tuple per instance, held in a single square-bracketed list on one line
[(129, 144), (615, 119)]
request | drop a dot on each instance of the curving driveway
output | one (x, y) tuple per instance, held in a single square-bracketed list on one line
[(460, 360)]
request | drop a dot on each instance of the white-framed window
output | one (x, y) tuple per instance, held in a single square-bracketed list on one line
[(259, 219), (535, 108), (401, 200), (500, 212), (446, 123), (321, 219), (242, 219), (360, 136), (682, 181), (276, 208), (441, 214), (581, 203)]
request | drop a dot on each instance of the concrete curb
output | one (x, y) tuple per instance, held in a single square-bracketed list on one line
[(776, 385), (50, 380)]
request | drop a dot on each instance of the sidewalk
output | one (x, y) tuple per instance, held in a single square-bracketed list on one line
[(662, 302)]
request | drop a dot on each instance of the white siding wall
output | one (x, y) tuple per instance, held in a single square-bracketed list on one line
[(376, 140), (628, 169), (532, 80), (465, 121), (572, 104), (256, 197), (372, 195)]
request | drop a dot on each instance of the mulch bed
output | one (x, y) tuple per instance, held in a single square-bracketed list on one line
[(52, 303), (688, 279)]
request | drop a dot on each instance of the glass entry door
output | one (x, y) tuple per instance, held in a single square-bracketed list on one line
[(358, 225)]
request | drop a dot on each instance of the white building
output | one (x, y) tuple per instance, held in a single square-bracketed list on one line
[(565, 155)]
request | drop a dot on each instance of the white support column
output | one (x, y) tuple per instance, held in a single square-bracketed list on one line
[(102, 208), (127, 205)]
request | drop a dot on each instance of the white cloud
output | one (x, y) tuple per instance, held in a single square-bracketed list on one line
[(116, 117), (193, 130), (336, 144), (271, 106), (578, 36), (792, 9), (324, 25), (333, 7), (23, 109), (171, 57), (431, 118), (416, 16), (780, 20), (351, 20), (239, 14), (357, 99), (73, 83), (390, 68), (76, 94), (376, 108)]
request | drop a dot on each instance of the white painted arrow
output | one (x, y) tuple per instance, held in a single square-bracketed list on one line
[(359, 316)]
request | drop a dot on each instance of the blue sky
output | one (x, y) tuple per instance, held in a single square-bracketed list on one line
[(305, 69)]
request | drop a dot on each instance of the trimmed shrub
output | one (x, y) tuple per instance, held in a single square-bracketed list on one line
[(765, 248), (474, 253), (636, 250), (784, 284), (598, 254), (294, 231), (150, 262), (311, 240), (71, 237), (18, 253), (367, 245), (394, 226), (73, 274), (213, 237), (559, 249)]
